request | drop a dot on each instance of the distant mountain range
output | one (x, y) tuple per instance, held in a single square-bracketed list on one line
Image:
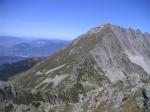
[(10, 40), (14, 46)]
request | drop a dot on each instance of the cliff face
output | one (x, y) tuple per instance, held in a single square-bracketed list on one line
[(105, 69)]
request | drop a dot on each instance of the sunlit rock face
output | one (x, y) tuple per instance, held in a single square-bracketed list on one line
[(105, 69)]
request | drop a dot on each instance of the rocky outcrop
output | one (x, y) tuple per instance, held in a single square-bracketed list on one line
[(14, 99)]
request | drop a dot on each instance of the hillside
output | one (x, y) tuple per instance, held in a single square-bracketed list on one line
[(105, 69), (6, 59), (12, 68)]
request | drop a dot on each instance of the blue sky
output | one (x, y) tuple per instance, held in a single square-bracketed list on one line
[(67, 19)]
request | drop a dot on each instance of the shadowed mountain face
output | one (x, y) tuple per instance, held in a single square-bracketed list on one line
[(12, 68), (6, 59), (105, 69)]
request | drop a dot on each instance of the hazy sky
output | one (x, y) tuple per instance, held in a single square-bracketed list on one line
[(67, 19)]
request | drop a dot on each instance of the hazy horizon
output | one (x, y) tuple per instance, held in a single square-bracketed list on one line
[(35, 38), (66, 20)]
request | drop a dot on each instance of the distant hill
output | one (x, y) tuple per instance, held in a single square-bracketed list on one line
[(9, 40), (12, 68), (37, 48), (13, 46)]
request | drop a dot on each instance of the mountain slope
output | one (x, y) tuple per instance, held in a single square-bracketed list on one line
[(105, 69)]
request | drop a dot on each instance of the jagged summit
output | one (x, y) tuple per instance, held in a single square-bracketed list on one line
[(100, 27), (105, 69), (113, 26), (107, 25)]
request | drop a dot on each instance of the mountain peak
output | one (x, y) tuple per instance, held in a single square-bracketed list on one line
[(103, 26), (108, 25)]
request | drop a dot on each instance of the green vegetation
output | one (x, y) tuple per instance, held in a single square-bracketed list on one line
[(125, 98), (28, 98), (130, 103), (36, 104), (75, 91), (52, 110), (119, 84), (8, 108)]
